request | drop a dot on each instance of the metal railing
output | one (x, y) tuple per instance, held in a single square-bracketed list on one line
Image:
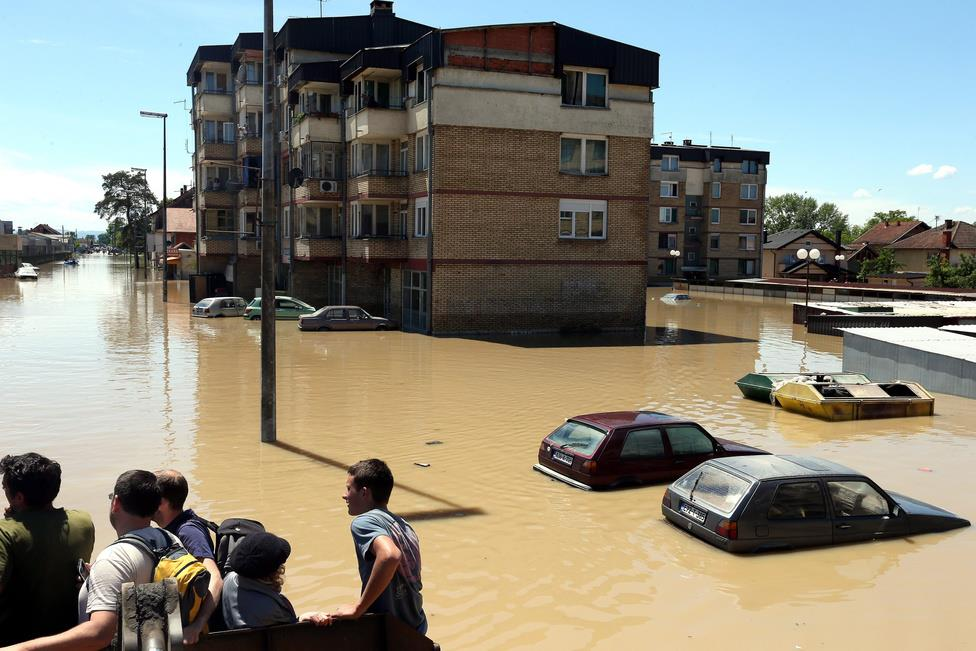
[(378, 172)]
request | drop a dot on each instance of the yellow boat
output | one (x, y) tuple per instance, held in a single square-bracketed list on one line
[(831, 401)]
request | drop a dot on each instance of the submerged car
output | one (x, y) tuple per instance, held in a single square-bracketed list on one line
[(621, 448), (753, 504), (220, 306), (675, 297), (342, 317), (286, 307)]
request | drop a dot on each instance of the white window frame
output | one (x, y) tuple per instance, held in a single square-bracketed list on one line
[(747, 242), (421, 153), (667, 215), (715, 215), (744, 263), (404, 156), (571, 209), (421, 85), (749, 167), (357, 212), (667, 187), (584, 72), (583, 141), (751, 216), (421, 217), (716, 164), (670, 163), (749, 191)]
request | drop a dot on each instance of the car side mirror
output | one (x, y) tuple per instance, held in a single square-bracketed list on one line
[(896, 511)]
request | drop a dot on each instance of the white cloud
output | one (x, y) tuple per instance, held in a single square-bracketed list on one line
[(944, 171), (919, 170), (861, 193), (964, 210)]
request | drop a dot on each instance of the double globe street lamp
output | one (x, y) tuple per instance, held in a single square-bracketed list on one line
[(809, 254)]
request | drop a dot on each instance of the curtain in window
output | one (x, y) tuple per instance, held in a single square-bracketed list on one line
[(596, 156), (596, 90), (570, 155), (573, 88)]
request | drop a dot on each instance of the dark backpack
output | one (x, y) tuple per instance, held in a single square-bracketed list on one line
[(229, 534)]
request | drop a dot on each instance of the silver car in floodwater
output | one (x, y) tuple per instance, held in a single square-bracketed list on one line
[(220, 306), (343, 317)]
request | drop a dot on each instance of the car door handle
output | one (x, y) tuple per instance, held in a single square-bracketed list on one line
[(843, 526)]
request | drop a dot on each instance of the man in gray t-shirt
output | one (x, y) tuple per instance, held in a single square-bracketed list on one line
[(387, 549)]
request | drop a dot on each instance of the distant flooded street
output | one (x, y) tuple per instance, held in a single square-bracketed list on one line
[(102, 377)]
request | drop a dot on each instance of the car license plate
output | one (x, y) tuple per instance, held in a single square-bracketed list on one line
[(692, 512), (562, 457)]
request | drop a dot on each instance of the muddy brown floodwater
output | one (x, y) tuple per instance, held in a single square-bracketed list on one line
[(99, 375)]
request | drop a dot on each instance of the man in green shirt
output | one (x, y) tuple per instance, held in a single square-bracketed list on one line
[(40, 547)]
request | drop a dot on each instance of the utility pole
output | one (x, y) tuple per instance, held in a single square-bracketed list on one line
[(269, 430)]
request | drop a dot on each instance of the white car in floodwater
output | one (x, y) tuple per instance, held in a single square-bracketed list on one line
[(220, 306), (26, 271)]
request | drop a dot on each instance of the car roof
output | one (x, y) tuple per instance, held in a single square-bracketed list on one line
[(341, 307), (613, 419), (771, 466)]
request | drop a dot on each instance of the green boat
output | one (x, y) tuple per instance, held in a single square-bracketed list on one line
[(759, 386)]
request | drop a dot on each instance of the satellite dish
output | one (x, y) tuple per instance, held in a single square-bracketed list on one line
[(295, 177)]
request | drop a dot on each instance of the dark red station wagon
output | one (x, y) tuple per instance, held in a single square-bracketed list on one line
[(621, 448)]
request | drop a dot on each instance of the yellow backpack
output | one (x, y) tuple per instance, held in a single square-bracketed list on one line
[(172, 560)]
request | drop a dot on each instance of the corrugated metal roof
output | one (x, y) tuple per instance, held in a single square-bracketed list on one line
[(930, 340), (963, 329)]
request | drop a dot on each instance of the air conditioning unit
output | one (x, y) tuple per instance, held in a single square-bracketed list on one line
[(282, 136), (328, 186)]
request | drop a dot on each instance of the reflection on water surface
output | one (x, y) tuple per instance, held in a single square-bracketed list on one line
[(103, 377)]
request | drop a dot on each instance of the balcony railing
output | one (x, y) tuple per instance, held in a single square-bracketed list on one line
[(378, 172), (217, 91), (366, 102), (386, 236)]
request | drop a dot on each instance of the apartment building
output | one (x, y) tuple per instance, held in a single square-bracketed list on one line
[(706, 205), (489, 178)]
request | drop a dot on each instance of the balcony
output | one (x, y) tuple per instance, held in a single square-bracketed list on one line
[(216, 195), (375, 121), (249, 144), (372, 248), (307, 127), (218, 243), (248, 245), (316, 248), (211, 103), (215, 150), (249, 94), (314, 189), (376, 183)]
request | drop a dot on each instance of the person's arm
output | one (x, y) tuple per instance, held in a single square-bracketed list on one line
[(387, 560), (191, 634), (93, 635)]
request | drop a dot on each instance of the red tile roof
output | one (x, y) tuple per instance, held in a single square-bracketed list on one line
[(963, 236), (887, 233)]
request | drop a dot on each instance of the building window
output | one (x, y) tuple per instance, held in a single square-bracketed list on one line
[(713, 266), (421, 84), (253, 124), (716, 190), (371, 220), (371, 158), (716, 164), (422, 153), (692, 230), (249, 223), (216, 178), (370, 93), (315, 103), (221, 221), (404, 165), (748, 191), (320, 221), (747, 216), (581, 88), (583, 155), (214, 82), (415, 300), (252, 72), (218, 132), (669, 189), (713, 241), (750, 167), (421, 218), (319, 160), (667, 241), (692, 256), (747, 267), (582, 220), (667, 215), (747, 242), (668, 266), (715, 215), (669, 163)]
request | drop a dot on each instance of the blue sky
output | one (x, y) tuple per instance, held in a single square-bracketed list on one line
[(867, 104)]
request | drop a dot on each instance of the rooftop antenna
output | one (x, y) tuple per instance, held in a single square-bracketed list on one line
[(709, 138), (732, 139), (321, 7), (669, 134)]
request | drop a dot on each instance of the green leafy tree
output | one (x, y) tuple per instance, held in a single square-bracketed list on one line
[(885, 263), (127, 203), (791, 210), (943, 274)]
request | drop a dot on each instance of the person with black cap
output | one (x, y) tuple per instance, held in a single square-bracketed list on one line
[(251, 595)]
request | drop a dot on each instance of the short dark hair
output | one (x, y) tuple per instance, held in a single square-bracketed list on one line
[(36, 476), (173, 488), (374, 475), (138, 493)]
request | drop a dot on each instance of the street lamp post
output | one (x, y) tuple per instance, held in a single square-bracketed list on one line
[(809, 255), (675, 255), (151, 114), (839, 258)]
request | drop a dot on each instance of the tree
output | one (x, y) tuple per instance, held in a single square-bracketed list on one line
[(127, 204), (943, 274), (792, 210), (885, 263)]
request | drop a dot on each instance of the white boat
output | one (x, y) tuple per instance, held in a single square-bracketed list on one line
[(26, 271)]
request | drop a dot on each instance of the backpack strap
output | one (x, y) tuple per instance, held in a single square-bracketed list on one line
[(154, 542)]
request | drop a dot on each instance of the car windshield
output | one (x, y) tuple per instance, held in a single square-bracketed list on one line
[(713, 487), (578, 436)]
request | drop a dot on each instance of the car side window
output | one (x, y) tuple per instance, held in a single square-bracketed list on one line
[(287, 305), (798, 501), (686, 439), (336, 314), (643, 443), (856, 498), (357, 314)]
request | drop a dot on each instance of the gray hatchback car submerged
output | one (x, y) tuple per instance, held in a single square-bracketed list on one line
[(342, 317), (761, 503)]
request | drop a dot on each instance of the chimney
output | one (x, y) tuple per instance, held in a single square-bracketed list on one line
[(686, 142), (380, 7), (838, 233)]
